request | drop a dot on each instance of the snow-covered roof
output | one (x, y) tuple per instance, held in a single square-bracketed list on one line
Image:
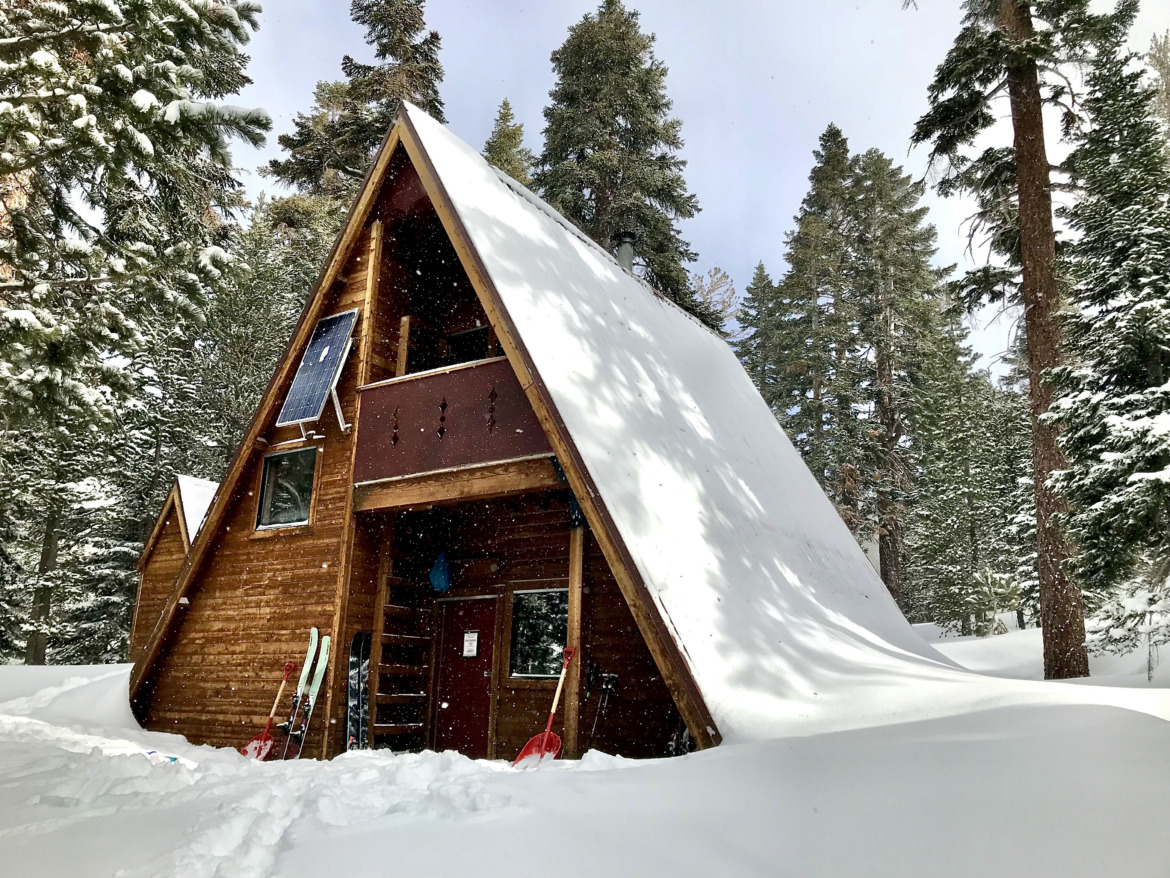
[(765, 592), (196, 496)]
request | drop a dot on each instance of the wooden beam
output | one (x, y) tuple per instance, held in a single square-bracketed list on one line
[(669, 659), (478, 482), (225, 494), (403, 346), (385, 568), (368, 317), (573, 640)]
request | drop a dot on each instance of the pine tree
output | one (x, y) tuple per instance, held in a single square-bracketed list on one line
[(999, 49), (331, 147), (505, 146), (250, 320), (963, 561), (754, 348), (838, 345), (715, 292), (610, 162), (1115, 402), (894, 290), (803, 329), (1159, 59), (117, 186)]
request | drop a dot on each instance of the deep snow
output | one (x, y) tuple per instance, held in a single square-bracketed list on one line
[(1047, 785)]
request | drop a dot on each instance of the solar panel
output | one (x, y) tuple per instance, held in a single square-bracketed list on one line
[(319, 369)]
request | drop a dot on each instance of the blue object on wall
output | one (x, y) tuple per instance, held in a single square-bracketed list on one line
[(441, 574)]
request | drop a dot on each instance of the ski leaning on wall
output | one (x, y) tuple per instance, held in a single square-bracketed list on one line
[(304, 699)]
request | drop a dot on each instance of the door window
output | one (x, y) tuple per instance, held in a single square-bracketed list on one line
[(540, 622)]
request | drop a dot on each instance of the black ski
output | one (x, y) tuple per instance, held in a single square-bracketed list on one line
[(358, 704)]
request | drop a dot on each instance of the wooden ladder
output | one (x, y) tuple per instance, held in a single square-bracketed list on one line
[(400, 663)]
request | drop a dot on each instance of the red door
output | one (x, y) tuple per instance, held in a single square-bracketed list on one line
[(466, 661)]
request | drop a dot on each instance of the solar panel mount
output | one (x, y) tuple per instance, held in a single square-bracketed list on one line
[(320, 368)]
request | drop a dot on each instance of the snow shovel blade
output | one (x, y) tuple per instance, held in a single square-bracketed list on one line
[(260, 746), (544, 744), (547, 743)]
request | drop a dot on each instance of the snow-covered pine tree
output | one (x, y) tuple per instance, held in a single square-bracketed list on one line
[(962, 561), (505, 147), (331, 147), (1115, 404), (610, 162), (1017, 48), (894, 291), (115, 156), (250, 319), (803, 328), (754, 347), (1159, 59)]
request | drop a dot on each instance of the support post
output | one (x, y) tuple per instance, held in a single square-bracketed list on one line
[(403, 346), (576, 593)]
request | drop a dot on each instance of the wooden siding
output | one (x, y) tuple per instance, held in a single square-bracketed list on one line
[(641, 716), (155, 581), (259, 592), (500, 546)]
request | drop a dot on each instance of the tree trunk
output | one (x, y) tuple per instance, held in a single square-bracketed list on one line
[(43, 594), (818, 438), (1061, 606)]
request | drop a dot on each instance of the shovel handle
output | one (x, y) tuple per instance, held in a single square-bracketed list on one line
[(288, 669), (569, 652)]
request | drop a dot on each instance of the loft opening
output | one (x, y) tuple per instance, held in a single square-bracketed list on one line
[(432, 318)]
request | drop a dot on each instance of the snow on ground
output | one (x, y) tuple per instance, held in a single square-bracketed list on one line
[(1057, 786), (1019, 655)]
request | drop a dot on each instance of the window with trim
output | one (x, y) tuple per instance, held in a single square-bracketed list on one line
[(286, 488), (540, 623)]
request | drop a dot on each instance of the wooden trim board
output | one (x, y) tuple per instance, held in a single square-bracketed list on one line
[(479, 482)]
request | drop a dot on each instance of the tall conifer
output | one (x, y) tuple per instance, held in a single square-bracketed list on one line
[(1116, 404), (1000, 50), (610, 162), (331, 147), (505, 148)]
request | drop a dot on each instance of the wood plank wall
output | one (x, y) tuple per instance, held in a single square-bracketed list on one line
[(528, 537), (641, 716), (155, 581), (259, 592)]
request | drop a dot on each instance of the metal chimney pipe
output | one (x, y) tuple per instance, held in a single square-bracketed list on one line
[(625, 250)]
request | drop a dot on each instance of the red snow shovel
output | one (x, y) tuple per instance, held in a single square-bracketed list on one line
[(547, 743), (260, 746)]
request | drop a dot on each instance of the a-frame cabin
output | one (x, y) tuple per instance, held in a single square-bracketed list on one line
[(588, 464)]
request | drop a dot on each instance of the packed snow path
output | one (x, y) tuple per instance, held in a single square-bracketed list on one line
[(1021, 789)]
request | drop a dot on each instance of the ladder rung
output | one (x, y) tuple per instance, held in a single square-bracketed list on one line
[(399, 612), (399, 582), (418, 698), (392, 670), (398, 729), (406, 639)]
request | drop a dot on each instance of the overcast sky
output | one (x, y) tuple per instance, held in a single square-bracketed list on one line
[(754, 82)]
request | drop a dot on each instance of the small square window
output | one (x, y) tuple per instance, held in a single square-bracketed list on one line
[(540, 622), (286, 490)]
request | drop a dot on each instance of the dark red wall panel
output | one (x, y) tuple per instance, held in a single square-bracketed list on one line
[(422, 423)]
